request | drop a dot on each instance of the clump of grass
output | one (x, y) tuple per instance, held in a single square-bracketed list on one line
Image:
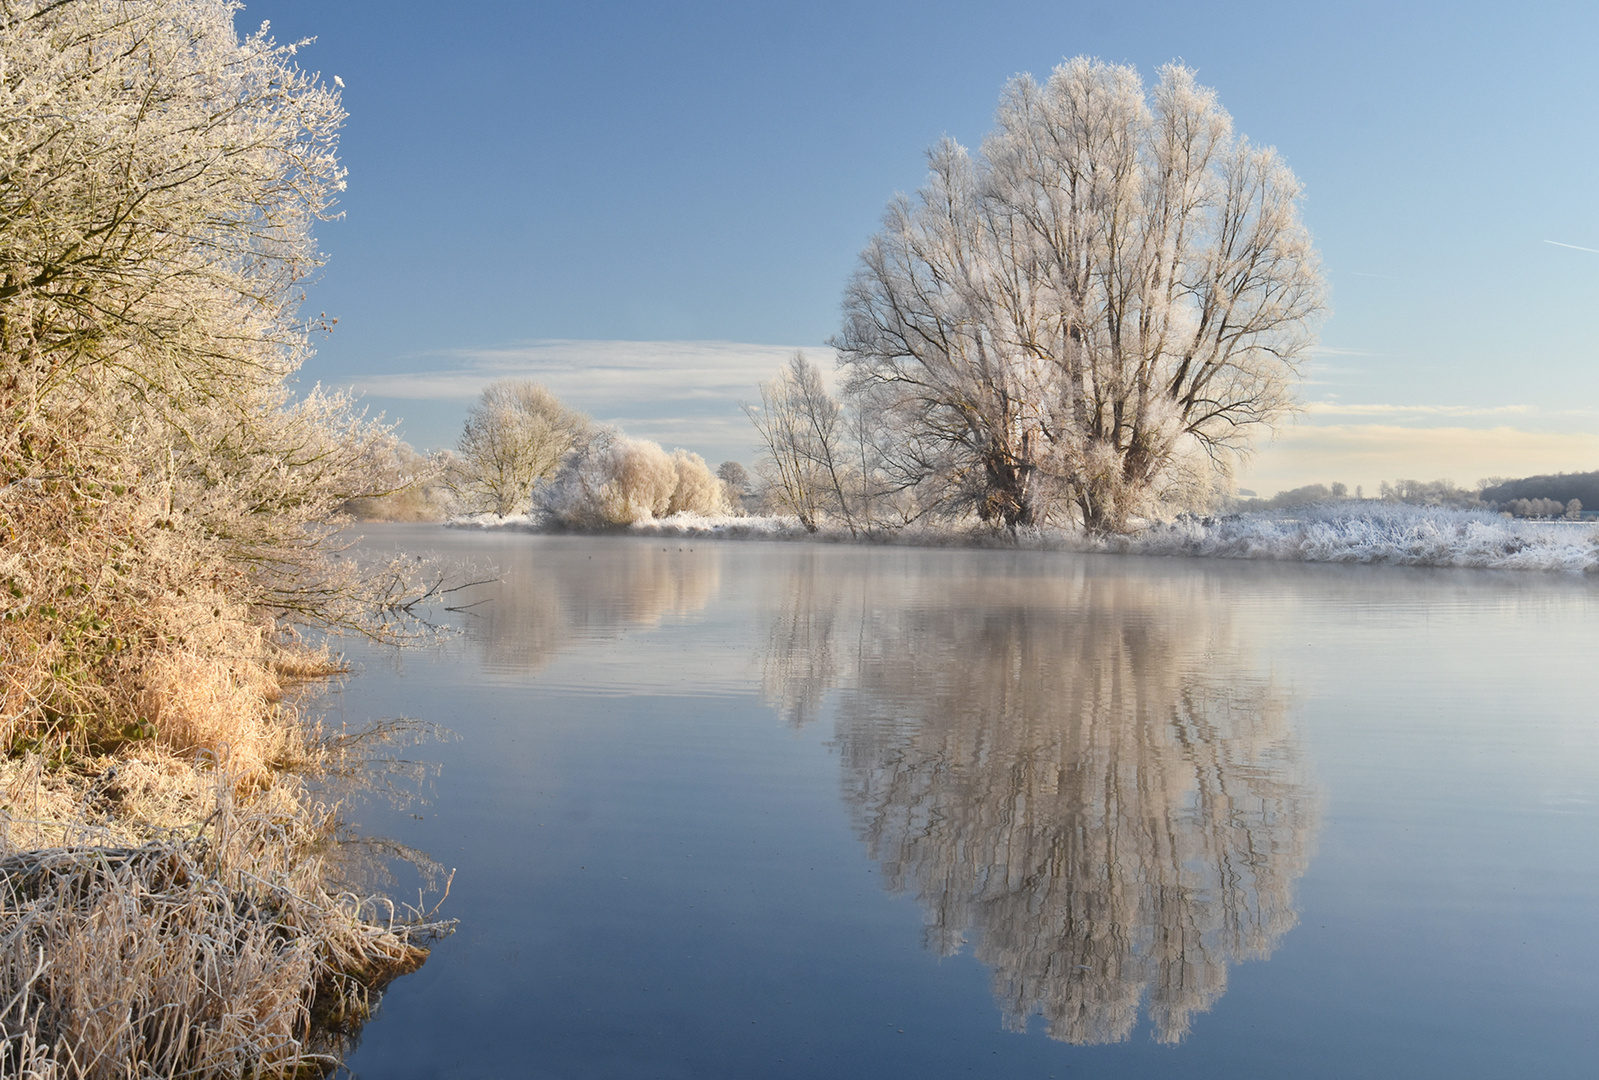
[(219, 952), (159, 961), (167, 906)]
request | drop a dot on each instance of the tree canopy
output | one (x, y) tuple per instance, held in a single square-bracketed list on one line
[(160, 488), (516, 434), (1093, 313)]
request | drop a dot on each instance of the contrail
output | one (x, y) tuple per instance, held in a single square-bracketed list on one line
[(1573, 247)]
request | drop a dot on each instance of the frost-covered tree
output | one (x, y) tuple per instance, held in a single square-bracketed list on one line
[(516, 434), (737, 482), (1429, 493), (1117, 288), (736, 477), (839, 460), (804, 430), (160, 489)]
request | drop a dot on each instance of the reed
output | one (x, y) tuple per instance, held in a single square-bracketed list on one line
[(167, 908)]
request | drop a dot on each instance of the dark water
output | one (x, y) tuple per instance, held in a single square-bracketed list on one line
[(756, 810)]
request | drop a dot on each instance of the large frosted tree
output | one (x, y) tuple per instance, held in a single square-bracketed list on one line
[(1096, 311)]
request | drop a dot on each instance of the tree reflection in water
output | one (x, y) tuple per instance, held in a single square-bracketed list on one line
[(538, 608), (1082, 772)]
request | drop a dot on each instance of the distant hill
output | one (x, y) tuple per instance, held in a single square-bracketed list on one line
[(1584, 487)]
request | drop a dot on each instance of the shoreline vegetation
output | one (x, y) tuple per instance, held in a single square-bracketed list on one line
[(175, 907), (1368, 532), (586, 478), (172, 882)]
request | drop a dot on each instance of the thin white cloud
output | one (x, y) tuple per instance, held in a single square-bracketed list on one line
[(1338, 408), (678, 393), (1573, 247), (596, 375)]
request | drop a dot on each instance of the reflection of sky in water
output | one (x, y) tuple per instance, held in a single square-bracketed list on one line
[(1093, 775)]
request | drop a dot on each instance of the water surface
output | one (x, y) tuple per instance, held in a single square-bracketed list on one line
[(790, 810)]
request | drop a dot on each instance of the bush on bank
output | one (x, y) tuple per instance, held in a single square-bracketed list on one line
[(167, 515)]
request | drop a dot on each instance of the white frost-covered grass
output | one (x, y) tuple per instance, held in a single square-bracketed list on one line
[(1377, 532), (1332, 532), (508, 522), (683, 525)]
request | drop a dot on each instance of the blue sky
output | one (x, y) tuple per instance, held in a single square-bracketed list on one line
[(649, 205)]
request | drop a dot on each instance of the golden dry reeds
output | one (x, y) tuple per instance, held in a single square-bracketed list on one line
[(165, 907), (165, 904), (159, 961), (215, 949)]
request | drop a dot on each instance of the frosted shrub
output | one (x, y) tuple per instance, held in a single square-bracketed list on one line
[(1538, 508), (698, 490), (168, 511), (640, 482), (161, 489), (612, 480)]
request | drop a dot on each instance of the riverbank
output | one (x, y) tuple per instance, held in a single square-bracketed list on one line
[(1348, 531), (171, 906)]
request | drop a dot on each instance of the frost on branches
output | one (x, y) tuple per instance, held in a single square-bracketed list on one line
[(166, 509), (1092, 315), (612, 481), (159, 488), (1389, 533), (516, 434)]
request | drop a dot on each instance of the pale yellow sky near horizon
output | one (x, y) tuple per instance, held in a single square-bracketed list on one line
[(1367, 454)]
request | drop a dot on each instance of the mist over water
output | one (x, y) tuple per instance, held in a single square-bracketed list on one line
[(794, 810)]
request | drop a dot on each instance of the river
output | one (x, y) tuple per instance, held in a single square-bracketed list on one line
[(761, 810)]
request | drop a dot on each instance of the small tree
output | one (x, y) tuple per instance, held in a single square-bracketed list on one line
[(737, 482), (515, 436), (806, 437)]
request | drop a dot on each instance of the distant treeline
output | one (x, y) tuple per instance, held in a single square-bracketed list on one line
[(1561, 487), (523, 452), (1562, 495)]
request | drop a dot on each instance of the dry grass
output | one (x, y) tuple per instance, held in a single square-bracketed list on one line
[(161, 961), (165, 908)]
